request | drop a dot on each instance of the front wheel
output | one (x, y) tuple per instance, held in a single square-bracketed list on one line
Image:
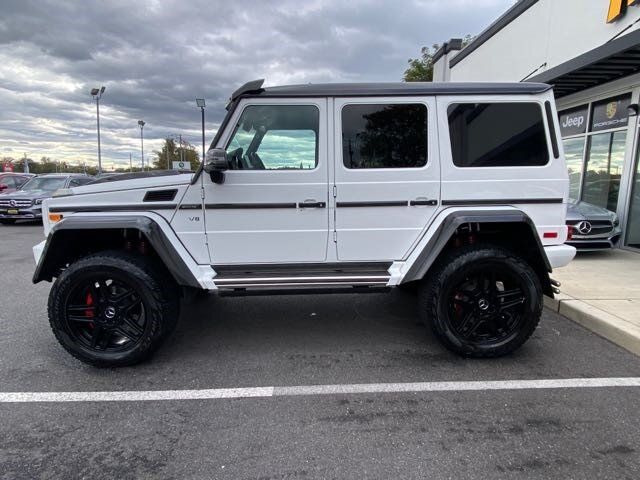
[(482, 301), (112, 309)]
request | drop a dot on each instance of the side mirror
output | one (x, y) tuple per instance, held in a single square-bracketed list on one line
[(216, 163), (3, 186)]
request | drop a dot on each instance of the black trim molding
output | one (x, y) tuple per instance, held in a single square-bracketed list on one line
[(112, 208), (240, 206), (505, 201), (398, 203)]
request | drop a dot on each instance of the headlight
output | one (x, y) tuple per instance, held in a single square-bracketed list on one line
[(38, 201), (616, 220), (63, 192)]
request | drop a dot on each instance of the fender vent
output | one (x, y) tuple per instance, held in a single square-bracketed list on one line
[(160, 195)]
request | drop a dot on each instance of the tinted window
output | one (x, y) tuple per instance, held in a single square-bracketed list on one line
[(275, 137), (497, 135), (384, 136)]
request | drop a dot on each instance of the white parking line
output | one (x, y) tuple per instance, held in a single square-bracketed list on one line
[(346, 389)]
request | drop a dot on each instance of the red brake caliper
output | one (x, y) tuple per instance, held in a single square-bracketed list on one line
[(89, 311)]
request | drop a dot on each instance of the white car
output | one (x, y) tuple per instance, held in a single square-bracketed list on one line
[(457, 189)]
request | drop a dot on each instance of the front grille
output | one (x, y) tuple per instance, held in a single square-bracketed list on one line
[(598, 227), (15, 203)]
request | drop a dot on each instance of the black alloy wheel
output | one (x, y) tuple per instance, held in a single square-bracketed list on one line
[(113, 309), (105, 314), (482, 301), (486, 304)]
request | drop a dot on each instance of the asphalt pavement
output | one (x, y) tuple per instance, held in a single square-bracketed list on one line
[(308, 340)]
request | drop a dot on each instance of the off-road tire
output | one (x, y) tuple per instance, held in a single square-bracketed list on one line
[(151, 282), (435, 308)]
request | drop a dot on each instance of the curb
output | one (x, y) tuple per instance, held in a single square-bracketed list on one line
[(606, 325)]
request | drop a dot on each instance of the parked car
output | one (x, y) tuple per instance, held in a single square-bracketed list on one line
[(26, 203), (335, 188), (592, 227), (10, 182)]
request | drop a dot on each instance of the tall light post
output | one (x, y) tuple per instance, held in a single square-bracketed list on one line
[(96, 93), (200, 104), (141, 123)]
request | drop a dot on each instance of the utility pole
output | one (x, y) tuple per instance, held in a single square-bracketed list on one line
[(141, 123), (130, 163), (97, 94)]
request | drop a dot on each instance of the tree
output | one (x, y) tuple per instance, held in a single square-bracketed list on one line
[(421, 69), (172, 153)]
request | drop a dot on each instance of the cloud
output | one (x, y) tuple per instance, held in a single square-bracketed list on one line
[(156, 56)]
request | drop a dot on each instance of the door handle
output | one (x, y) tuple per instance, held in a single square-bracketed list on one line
[(422, 202), (312, 204)]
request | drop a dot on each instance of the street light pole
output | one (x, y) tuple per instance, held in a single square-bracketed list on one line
[(97, 94), (142, 124), (200, 103)]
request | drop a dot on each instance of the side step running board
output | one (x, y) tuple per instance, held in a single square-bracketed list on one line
[(301, 276)]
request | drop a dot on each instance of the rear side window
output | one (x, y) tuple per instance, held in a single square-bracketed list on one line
[(497, 135), (384, 135)]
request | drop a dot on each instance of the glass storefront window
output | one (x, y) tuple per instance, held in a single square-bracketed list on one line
[(605, 158), (573, 153), (633, 226)]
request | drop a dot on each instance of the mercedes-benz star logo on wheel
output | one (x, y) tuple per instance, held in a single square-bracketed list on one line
[(584, 228)]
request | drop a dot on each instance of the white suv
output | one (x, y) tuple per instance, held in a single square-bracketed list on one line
[(456, 190)]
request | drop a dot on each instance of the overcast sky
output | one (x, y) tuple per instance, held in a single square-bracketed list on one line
[(156, 56)]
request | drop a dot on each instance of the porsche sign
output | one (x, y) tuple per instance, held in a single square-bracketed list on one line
[(618, 8)]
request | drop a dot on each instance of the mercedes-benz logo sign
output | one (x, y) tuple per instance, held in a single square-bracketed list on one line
[(584, 228), (12, 203), (110, 312)]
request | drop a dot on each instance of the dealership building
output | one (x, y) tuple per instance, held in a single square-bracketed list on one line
[(589, 50)]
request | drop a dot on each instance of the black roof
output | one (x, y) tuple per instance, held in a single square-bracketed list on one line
[(254, 89)]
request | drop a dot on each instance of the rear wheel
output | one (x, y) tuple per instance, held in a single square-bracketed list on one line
[(112, 309), (482, 301)]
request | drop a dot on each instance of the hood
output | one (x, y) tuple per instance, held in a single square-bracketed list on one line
[(578, 210), (134, 181), (27, 194)]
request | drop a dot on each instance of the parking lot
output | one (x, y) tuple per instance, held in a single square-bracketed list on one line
[(340, 340)]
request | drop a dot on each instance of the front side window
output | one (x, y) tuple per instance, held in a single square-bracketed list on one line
[(384, 136), (497, 135), (275, 137)]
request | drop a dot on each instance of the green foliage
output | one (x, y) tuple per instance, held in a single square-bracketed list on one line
[(173, 152), (421, 69)]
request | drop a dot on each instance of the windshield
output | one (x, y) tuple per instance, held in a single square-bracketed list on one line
[(43, 183)]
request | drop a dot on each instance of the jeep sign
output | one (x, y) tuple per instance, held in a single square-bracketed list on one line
[(573, 122)]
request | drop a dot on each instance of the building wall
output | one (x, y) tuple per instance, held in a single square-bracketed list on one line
[(550, 32)]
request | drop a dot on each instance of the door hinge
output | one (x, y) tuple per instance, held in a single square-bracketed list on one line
[(335, 191)]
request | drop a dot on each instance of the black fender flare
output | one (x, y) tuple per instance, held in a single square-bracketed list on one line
[(54, 255), (449, 226)]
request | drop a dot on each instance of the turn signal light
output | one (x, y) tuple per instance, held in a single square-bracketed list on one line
[(55, 217)]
